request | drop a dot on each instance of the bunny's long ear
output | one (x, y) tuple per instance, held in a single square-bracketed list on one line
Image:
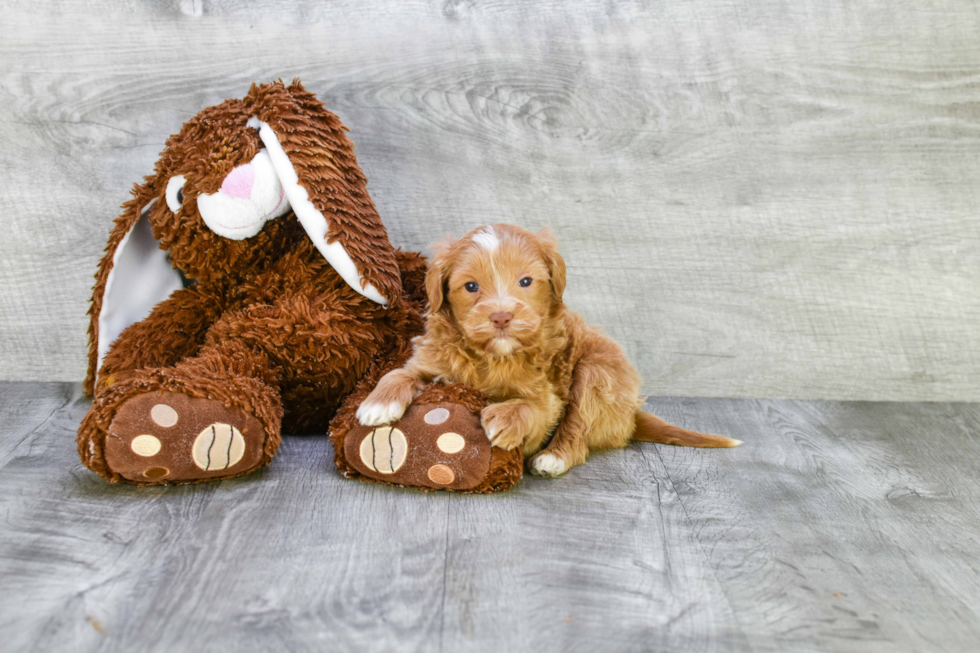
[(315, 162), (134, 275)]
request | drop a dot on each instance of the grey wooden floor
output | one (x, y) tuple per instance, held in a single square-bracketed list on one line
[(837, 526)]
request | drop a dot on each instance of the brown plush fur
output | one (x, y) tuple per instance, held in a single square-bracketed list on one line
[(267, 326), (547, 372)]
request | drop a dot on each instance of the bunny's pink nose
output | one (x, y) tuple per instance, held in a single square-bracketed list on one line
[(239, 182)]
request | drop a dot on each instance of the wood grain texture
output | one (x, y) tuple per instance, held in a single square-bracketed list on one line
[(845, 526), (835, 527), (756, 198)]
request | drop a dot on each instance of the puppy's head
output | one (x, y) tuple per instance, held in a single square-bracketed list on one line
[(499, 284)]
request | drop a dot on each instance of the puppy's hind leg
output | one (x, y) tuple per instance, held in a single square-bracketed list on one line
[(567, 448), (599, 414)]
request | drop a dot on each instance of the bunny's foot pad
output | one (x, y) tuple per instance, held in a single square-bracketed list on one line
[(438, 444), (167, 437)]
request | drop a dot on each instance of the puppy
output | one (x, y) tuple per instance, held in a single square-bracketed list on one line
[(496, 322)]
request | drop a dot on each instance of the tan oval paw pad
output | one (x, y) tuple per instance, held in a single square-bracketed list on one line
[(436, 416), (164, 415), (145, 445), (451, 442), (156, 473), (441, 475)]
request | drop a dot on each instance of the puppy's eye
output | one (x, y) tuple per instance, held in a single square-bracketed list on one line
[(175, 192), (472, 286), (525, 282)]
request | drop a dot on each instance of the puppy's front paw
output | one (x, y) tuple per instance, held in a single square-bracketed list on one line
[(548, 464), (505, 424), (376, 413)]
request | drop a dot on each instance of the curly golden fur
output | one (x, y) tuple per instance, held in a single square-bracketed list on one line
[(497, 322)]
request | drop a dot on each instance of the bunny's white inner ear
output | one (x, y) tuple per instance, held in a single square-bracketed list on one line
[(312, 220), (141, 276)]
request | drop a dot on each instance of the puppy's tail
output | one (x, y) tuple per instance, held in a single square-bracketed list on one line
[(650, 428)]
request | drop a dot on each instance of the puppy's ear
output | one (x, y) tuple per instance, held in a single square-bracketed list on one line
[(437, 273), (556, 264), (315, 161)]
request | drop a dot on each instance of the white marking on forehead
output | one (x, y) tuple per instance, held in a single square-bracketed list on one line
[(487, 239)]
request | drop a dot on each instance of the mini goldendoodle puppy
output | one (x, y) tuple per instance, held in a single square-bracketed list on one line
[(496, 322)]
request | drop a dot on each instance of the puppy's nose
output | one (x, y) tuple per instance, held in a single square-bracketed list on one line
[(501, 320), (239, 182)]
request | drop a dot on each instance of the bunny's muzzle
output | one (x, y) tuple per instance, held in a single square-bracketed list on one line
[(250, 195)]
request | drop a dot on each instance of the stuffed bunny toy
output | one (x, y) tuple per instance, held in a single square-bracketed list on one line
[(248, 287)]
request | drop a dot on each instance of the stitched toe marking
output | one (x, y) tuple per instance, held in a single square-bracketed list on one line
[(384, 450), (218, 446)]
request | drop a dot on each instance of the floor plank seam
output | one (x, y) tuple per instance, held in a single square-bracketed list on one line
[(704, 554), (69, 400), (445, 579)]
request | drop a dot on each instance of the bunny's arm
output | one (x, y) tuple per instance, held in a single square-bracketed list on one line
[(174, 330)]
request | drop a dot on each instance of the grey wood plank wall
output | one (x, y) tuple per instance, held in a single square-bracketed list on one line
[(756, 197)]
